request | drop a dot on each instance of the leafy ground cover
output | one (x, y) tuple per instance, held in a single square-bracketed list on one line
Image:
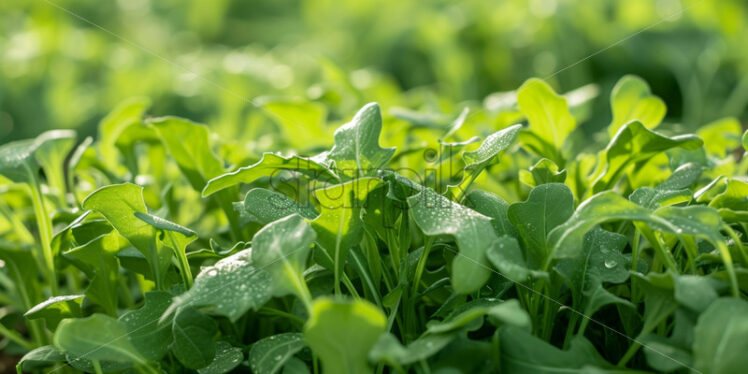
[(489, 243)]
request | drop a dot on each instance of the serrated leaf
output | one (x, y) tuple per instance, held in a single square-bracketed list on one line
[(328, 333), (356, 151), (270, 354), (436, 215), (632, 100), (269, 165)]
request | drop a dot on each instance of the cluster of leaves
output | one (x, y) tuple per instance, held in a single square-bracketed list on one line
[(362, 258)]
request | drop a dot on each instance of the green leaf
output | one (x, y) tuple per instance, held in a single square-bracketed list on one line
[(269, 165), (281, 249), (544, 171), (227, 358), (506, 255), (547, 206), (549, 118), (603, 207), (265, 206), (329, 333), (494, 207), (719, 337), (56, 308), (150, 336), (436, 215), (632, 100), (499, 312), (193, 338), (53, 147), (390, 351), (189, 145), (44, 356), (733, 198), (98, 337), (491, 148), (356, 151), (229, 288), (339, 225), (659, 302), (634, 143), (302, 123), (118, 204), (177, 238), (97, 260), (115, 123), (721, 136), (523, 353), (670, 192), (745, 140), (17, 161), (599, 262), (270, 354)]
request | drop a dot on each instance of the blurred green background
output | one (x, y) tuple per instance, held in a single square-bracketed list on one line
[(216, 61)]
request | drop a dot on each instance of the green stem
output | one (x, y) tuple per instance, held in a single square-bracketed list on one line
[(464, 186), (633, 348), (422, 263), (734, 236), (44, 224), (97, 367), (14, 336), (184, 265)]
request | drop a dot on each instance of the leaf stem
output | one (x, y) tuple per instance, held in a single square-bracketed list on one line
[(45, 229)]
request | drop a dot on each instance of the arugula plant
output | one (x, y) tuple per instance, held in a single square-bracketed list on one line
[(151, 251)]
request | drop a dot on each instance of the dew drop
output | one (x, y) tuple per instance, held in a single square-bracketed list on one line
[(610, 263)]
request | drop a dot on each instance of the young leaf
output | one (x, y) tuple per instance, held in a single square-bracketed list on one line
[(356, 151), (506, 255), (491, 148), (56, 308), (118, 204), (270, 354), (269, 165), (548, 206), (227, 358), (719, 336), (189, 145), (150, 336), (193, 338), (632, 100), (339, 224), (265, 206), (436, 215), (500, 312), (389, 350), (177, 238), (329, 333), (229, 288), (98, 337), (549, 118), (111, 127), (98, 261), (44, 356), (523, 353), (634, 143), (599, 262), (281, 249), (53, 147), (494, 207), (544, 171)]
